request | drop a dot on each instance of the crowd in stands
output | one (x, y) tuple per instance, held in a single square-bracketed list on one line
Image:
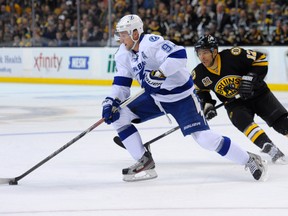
[(58, 23)]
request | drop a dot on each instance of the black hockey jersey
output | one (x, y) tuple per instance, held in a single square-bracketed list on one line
[(225, 80)]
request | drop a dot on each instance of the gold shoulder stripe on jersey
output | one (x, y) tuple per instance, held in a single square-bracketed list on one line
[(260, 64)]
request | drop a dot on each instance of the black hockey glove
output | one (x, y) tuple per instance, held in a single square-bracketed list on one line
[(209, 111), (110, 110), (248, 82)]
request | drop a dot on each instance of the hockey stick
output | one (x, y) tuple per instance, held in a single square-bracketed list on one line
[(14, 181), (118, 141)]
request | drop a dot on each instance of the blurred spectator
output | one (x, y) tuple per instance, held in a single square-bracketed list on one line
[(211, 29), (49, 31), (111, 42), (243, 19), (104, 39), (155, 28), (254, 35), (234, 17), (221, 17), (274, 12), (55, 22), (280, 34), (240, 36), (38, 40), (59, 40), (191, 17), (189, 38), (85, 37), (25, 41), (4, 14), (227, 37), (148, 4), (16, 41), (97, 33), (285, 32), (164, 21), (204, 19), (250, 18)]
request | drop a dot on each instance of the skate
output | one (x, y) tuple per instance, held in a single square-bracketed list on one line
[(257, 167), (275, 153), (142, 170)]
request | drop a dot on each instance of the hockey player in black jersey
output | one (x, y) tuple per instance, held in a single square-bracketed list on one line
[(238, 71)]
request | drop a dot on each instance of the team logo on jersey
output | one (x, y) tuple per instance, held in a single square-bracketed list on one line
[(143, 55), (228, 86), (206, 81), (236, 51), (153, 38)]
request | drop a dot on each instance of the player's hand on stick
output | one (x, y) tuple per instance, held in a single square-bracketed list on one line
[(248, 82), (110, 110), (152, 81), (209, 111)]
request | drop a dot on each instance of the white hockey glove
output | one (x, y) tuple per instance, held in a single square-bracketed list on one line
[(152, 81), (209, 111)]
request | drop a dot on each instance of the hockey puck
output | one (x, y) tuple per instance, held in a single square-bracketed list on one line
[(13, 182)]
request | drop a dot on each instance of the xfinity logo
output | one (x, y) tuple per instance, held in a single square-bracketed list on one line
[(78, 62), (47, 62)]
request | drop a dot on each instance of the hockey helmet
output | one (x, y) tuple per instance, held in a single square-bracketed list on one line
[(129, 23), (206, 42)]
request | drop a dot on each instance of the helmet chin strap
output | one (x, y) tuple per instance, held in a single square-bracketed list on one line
[(135, 42)]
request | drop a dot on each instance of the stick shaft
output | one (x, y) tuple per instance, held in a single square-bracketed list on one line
[(69, 143), (60, 149)]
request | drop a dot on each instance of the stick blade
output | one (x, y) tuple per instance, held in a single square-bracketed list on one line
[(8, 181)]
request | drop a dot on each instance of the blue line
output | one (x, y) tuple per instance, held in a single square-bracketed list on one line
[(100, 130)]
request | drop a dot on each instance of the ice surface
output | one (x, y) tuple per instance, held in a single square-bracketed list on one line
[(85, 179)]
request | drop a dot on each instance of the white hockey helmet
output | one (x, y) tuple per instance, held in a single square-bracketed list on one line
[(129, 23)]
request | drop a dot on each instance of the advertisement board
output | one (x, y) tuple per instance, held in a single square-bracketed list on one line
[(97, 65)]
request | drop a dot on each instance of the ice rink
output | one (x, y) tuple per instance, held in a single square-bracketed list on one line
[(85, 179)]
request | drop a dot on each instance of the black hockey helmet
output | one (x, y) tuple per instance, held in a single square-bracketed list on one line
[(206, 42)]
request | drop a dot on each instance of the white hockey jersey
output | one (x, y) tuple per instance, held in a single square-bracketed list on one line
[(154, 53)]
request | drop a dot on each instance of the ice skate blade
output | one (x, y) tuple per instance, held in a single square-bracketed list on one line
[(264, 175), (281, 161), (141, 176)]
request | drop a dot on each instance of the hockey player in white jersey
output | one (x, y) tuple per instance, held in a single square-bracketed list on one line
[(160, 68)]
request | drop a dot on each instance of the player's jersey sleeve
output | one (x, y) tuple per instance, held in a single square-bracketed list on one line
[(160, 54), (171, 57), (123, 78), (202, 92), (256, 62)]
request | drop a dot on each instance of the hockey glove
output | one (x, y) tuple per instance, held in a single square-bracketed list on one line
[(152, 81), (248, 82), (110, 110), (209, 111)]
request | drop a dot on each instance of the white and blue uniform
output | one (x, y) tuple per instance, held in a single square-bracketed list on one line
[(155, 53), (176, 97)]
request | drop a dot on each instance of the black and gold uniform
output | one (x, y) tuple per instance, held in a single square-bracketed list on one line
[(225, 81), (226, 78)]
